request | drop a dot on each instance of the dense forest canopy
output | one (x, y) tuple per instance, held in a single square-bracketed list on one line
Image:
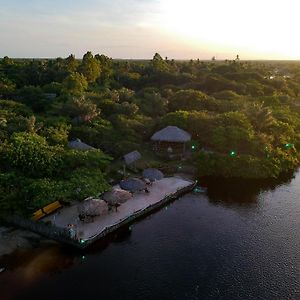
[(244, 118)]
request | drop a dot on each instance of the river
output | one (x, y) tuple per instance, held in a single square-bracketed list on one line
[(237, 242)]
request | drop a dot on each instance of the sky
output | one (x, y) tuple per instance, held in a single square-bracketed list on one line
[(185, 29)]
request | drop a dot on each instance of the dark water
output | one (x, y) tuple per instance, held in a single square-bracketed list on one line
[(238, 242)]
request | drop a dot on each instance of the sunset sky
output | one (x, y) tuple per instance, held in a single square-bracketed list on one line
[(256, 29)]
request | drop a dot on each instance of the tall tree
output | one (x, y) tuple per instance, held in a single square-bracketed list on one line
[(71, 63), (158, 64), (90, 67)]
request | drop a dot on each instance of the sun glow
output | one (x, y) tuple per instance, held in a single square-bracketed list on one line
[(267, 28)]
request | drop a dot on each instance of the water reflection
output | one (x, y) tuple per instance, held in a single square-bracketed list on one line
[(26, 268), (120, 236), (241, 193)]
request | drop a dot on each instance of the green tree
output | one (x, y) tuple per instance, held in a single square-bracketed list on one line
[(75, 84), (34, 98), (56, 135), (261, 117), (151, 103), (159, 65), (31, 154), (81, 109), (106, 74), (187, 100), (90, 67), (85, 182), (71, 63), (7, 87)]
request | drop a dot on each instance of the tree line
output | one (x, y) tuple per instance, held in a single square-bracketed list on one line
[(244, 118)]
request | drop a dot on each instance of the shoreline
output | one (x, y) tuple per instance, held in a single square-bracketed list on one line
[(136, 208), (13, 239)]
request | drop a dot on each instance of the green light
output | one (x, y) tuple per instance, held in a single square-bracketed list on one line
[(288, 145), (193, 147), (232, 153), (83, 257), (82, 241)]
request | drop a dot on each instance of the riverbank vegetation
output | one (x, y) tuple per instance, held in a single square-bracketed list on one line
[(244, 118)]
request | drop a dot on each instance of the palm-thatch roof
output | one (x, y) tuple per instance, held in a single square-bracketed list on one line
[(153, 174), (132, 157), (171, 134), (133, 184), (116, 196), (92, 207), (79, 145)]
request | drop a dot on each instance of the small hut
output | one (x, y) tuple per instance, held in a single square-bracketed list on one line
[(79, 145), (170, 138), (130, 159)]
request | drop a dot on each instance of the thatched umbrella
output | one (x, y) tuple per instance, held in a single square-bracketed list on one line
[(133, 184), (153, 174), (92, 207), (116, 196)]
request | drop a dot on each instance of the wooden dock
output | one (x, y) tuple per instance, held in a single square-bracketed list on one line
[(141, 204)]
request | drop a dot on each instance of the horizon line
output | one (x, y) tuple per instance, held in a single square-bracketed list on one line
[(176, 59)]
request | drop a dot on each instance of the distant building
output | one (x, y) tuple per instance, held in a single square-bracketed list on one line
[(79, 145)]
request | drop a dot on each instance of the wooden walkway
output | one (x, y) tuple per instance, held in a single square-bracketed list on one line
[(161, 192)]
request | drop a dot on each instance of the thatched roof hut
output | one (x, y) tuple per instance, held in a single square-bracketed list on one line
[(132, 157), (116, 196), (133, 184), (170, 138), (153, 174), (92, 207), (79, 145), (171, 134)]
